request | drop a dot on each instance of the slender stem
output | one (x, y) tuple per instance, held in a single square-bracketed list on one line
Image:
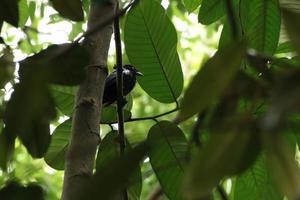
[(231, 18), (120, 96)]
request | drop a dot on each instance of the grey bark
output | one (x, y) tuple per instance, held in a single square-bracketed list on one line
[(85, 137)]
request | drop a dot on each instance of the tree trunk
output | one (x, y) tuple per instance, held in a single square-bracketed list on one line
[(85, 136)]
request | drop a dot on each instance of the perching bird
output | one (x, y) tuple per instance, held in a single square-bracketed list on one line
[(110, 89)]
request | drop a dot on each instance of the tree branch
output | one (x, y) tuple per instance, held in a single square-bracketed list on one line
[(79, 162)]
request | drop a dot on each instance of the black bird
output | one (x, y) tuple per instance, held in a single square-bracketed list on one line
[(129, 79)]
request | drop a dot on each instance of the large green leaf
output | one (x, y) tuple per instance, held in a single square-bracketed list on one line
[(256, 184), (150, 42), (167, 151), (211, 80), (211, 10), (64, 98), (224, 154), (71, 9), (9, 11), (29, 112), (109, 150), (7, 67), (62, 64), (259, 21), (191, 5), (55, 156)]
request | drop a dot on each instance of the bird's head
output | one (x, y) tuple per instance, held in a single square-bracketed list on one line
[(133, 70)]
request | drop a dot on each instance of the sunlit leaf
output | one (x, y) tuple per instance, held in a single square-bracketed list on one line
[(211, 80), (151, 42), (71, 9), (55, 156), (167, 153), (23, 12)]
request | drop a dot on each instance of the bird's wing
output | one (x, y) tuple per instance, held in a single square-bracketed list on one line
[(111, 80)]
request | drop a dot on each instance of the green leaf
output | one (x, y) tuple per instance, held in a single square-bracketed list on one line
[(211, 80), (64, 97), (191, 5), (110, 180), (7, 144), (14, 191), (292, 23), (256, 184), (31, 9), (285, 47), (23, 13), (282, 165), (259, 21), (150, 41), (211, 10), (71, 9), (9, 11), (29, 112), (61, 64), (55, 156), (167, 151), (224, 154), (108, 150)]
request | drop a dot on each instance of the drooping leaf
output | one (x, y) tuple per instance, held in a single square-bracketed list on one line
[(109, 181), (15, 191), (55, 156), (109, 150), (256, 184), (60, 64), (211, 80), (29, 112), (224, 154), (150, 42), (71, 9), (191, 5), (7, 144), (9, 11), (282, 165), (211, 10), (167, 151), (285, 47)]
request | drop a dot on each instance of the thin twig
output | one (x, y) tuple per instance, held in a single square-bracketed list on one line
[(222, 192), (120, 96)]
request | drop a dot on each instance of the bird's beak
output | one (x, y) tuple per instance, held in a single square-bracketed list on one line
[(139, 73)]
